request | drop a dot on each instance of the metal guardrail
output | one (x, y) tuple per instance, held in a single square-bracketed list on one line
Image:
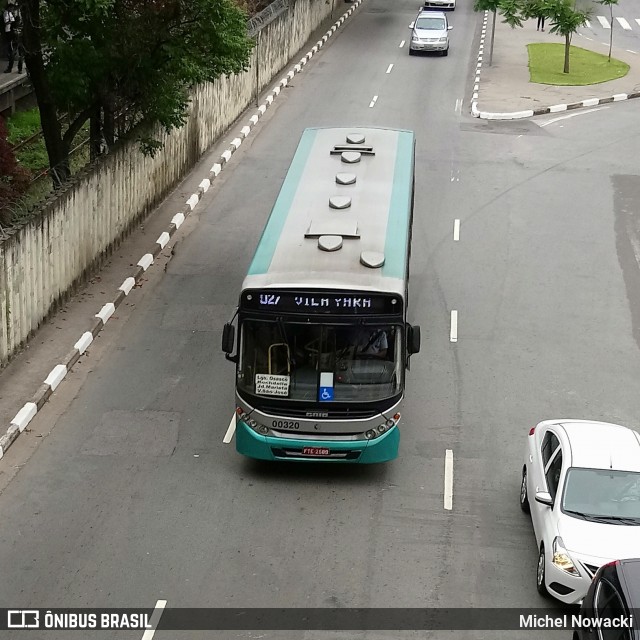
[(267, 15)]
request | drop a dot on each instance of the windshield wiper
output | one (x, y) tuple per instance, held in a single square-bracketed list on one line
[(592, 517), (619, 520), (584, 516)]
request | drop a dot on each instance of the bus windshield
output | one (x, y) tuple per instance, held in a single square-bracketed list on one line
[(320, 362)]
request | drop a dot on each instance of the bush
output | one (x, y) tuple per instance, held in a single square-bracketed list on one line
[(14, 179)]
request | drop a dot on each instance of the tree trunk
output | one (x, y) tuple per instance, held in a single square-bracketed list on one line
[(611, 34), (95, 133), (493, 35), (109, 111), (567, 47), (57, 151)]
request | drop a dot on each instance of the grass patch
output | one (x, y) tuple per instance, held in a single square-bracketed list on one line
[(546, 62), (23, 124)]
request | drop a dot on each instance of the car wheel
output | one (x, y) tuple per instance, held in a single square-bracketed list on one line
[(411, 52), (524, 498), (540, 573), (446, 52)]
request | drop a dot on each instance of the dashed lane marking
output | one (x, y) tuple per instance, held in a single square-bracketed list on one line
[(448, 479)]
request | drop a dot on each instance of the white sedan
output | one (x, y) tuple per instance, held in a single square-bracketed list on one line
[(581, 484), (442, 5)]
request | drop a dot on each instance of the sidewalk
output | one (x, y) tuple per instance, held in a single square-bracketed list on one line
[(13, 87), (505, 93)]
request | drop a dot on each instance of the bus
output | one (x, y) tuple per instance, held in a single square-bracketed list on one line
[(323, 338)]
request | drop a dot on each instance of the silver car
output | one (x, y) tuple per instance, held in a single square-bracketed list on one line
[(430, 32)]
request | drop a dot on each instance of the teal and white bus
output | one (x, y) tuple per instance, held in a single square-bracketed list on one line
[(324, 340)]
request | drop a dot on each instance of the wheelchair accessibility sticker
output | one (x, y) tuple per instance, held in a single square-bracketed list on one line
[(325, 393)]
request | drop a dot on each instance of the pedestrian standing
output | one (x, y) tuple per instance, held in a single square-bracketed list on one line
[(13, 33), (540, 23)]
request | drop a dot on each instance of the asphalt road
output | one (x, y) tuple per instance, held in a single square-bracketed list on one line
[(133, 497)]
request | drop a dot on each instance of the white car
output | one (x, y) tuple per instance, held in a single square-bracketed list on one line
[(581, 484), (443, 5)]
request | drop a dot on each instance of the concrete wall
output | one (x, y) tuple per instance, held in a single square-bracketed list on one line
[(42, 261)]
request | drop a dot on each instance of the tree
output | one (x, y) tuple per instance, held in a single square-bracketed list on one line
[(493, 6), (100, 60), (565, 21), (610, 4)]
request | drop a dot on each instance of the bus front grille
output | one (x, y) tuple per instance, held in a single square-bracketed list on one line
[(334, 414), (297, 453)]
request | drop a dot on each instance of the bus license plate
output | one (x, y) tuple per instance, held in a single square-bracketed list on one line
[(315, 451)]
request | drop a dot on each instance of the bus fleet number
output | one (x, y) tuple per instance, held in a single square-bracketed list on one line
[(285, 424)]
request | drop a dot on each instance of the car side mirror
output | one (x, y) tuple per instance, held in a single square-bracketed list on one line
[(411, 25), (413, 339), (228, 337), (450, 27), (543, 497)]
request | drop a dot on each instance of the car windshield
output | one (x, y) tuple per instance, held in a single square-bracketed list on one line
[(433, 24), (315, 363), (602, 494)]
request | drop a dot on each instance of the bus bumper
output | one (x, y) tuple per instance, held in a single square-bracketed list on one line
[(253, 445)]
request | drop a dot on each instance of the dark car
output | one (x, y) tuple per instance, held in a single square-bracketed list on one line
[(614, 600)]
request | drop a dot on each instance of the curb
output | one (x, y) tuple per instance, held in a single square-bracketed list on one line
[(59, 372), (529, 113)]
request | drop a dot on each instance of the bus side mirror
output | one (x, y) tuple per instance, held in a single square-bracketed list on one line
[(413, 339), (228, 338)]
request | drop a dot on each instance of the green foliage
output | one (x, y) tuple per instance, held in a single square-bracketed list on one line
[(22, 125), (14, 179), (565, 18), (486, 5), (511, 12), (141, 57)]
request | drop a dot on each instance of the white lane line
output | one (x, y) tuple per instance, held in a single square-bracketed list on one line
[(373, 102), (389, 68), (401, 44), (624, 24), (155, 618), (638, 21), (458, 108), (453, 336), (456, 230), (571, 115), (604, 22), (228, 437), (631, 51), (448, 479), (586, 38), (587, 24)]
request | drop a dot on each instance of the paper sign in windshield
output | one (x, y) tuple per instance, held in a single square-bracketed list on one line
[(268, 384)]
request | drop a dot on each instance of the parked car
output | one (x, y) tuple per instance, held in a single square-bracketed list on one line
[(430, 32), (581, 484), (614, 595)]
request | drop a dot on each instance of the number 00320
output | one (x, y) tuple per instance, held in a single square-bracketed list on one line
[(285, 424)]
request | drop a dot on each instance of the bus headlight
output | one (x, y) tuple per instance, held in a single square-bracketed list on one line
[(250, 422), (370, 434)]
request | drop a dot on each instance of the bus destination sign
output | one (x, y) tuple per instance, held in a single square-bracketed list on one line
[(318, 302)]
